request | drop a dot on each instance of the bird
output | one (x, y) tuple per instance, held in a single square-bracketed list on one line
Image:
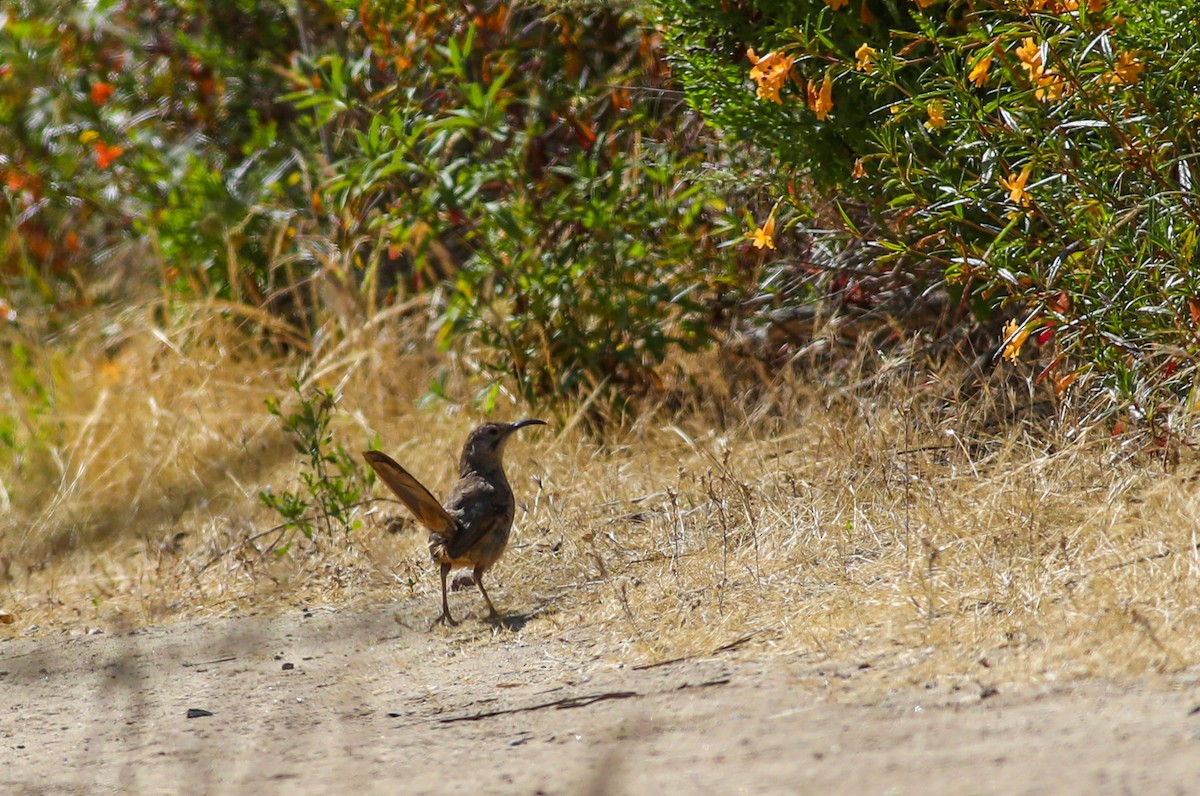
[(471, 529)]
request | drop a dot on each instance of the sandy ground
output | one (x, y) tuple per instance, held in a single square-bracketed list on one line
[(353, 701)]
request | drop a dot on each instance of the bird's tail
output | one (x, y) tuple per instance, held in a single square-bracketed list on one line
[(412, 493)]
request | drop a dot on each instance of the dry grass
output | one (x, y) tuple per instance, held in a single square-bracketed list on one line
[(876, 530)]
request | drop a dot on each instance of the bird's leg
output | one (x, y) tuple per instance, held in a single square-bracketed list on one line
[(445, 618), (483, 591)]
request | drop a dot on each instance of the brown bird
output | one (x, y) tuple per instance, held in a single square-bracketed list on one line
[(472, 529)]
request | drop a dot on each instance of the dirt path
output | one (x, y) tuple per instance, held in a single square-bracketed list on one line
[(341, 702)]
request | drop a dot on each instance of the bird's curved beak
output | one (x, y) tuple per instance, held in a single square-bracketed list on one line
[(523, 423)]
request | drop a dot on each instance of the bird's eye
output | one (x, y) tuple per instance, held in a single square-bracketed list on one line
[(493, 432)]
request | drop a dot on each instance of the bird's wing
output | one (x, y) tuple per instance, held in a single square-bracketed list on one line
[(481, 511), (474, 533), (414, 495)]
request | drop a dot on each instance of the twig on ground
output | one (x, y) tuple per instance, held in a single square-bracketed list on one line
[(732, 645), (558, 704)]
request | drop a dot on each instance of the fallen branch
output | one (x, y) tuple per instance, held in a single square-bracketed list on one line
[(558, 704), (732, 645), (705, 684), (206, 663)]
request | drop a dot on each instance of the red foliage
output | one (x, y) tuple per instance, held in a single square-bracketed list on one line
[(101, 92), (105, 154)]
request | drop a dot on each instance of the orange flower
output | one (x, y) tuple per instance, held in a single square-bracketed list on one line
[(979, 72), (1015, 185), (821, 100), (1030, 55), (770, 72), (936, 120), (836, 4), (764, 236), (105, 154), (101, 92), (1126, 71), (1014, 337), (15, 181), (865, 58), (112, 370), (620, 99), (1050, 87), (859, 171)]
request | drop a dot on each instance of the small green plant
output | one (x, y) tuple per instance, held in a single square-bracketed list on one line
[(30, 425), (332, 484)]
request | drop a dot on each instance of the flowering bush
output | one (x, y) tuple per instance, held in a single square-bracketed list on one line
[(139, 121), (771, 72), (1038, 153)]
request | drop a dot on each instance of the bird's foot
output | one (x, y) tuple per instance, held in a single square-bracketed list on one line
[(444, 619)]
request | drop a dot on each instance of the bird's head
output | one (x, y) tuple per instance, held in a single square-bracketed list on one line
[(485, 445)]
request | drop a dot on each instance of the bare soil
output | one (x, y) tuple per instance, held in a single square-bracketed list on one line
[(369, 701)]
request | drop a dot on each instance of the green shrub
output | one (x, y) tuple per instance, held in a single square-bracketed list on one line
[(527, 161)]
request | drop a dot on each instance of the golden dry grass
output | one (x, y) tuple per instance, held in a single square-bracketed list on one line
[(875, 530)]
